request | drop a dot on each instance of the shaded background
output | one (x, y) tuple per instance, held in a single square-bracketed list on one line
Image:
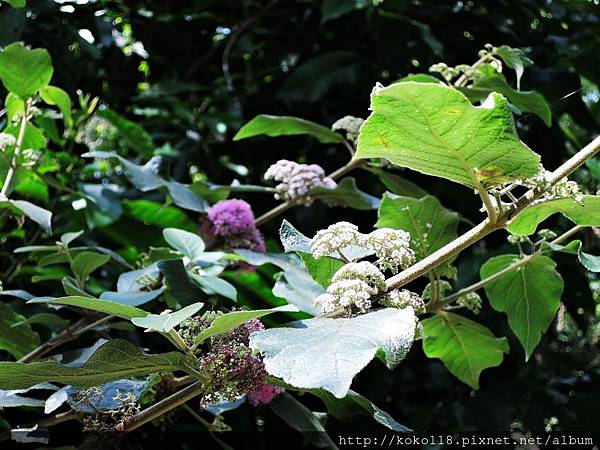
[(192, 72)]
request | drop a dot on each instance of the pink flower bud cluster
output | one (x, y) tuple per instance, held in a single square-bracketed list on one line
[(297, 180), (233, 221)]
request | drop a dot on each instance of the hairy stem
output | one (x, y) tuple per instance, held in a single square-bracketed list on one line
[(13, 166), (486, 227), (521, 262), (164, 406)]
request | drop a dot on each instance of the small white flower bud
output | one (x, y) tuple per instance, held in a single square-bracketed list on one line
[(392, 247), (334, 239), (402, 298), (6, 140), (351, 125)]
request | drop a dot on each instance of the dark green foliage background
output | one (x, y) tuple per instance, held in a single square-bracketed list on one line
[(285, 60)]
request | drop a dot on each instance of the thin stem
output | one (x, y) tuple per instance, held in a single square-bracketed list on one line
[(521, 262), (464, 78), (13, 166), (66, 335), (205, 423), (164, 406), (487, 202)]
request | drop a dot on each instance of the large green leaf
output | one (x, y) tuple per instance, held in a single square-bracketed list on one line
[(487, 80), (529, 295), (234, 319), (435, 130), (23, 71), (104, 306), (18, 340), (587, 214), (431, 226), (328, 353), (186, 243), (166, 322), (332, 9), (114, 360), (465, 347), (265, 125)]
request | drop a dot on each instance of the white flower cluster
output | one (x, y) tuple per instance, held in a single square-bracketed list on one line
[(471, 301), (563, 189), (6, 140), (350, 124), (392, 247), (351, 288), (297, 180), (334, 239), (402, 298)]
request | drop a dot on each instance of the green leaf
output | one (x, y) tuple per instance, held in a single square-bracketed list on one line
[(465, 347), (346, 194), (17, 3), (144, 179), (39, 215), (44, 319), (149, 212), (398, 185), (588, 214), (332, 9), (14, 106), (34, 138), (590, 262), (211, 284), (234, 319), (321, 270), (421, 78), (300, 418), (131, 298), (515, 59), (23, 71), (328, 353), (166, 322), (312, 80), (354, 404), (86, 262), (529, 295), (294, 285), (186, 243), (431, 226), (53, 95), (103, 306), (18, 341), (265, 125), (487, 79), (435, 130), (67, 238), (178, 281), (114, 360), (133, 134)]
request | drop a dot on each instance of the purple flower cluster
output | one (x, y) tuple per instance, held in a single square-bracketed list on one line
[(233, 221), (230, 366)]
